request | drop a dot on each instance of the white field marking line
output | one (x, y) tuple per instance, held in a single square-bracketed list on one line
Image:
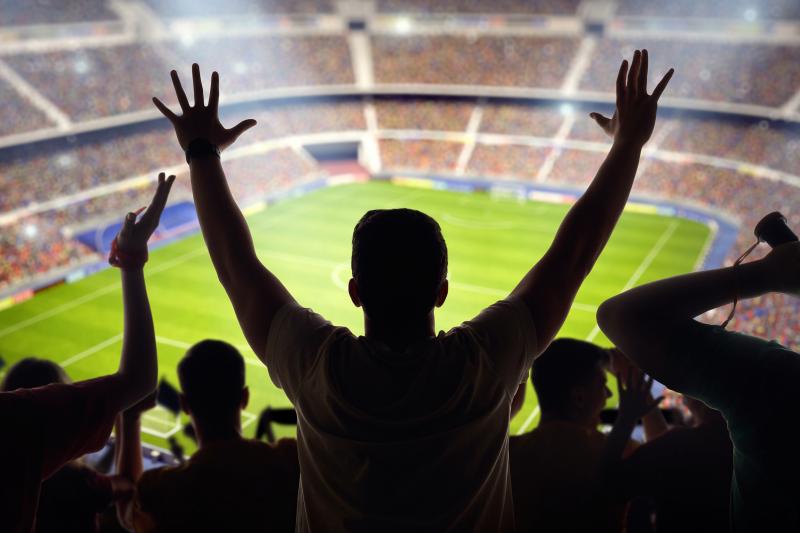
[(89, 351), (185, 346), (95, 294), (249, 418), (528, 421), (639, 272)]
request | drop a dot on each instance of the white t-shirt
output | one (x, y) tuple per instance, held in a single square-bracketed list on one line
[(412, 441)]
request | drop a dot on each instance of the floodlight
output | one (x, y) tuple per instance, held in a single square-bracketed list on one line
[(566, 109), (402, 25), (30, 231)]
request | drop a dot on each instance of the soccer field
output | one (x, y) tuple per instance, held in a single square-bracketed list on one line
[(306, 242)]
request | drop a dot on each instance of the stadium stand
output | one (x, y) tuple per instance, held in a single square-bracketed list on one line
[(747, 9), (514, 7), (765, 74), (511, 161), (239, 7), (20, 116), (521, 119), (89, 83), (420, 156), (15, 13), (417, 114), (482, 60)]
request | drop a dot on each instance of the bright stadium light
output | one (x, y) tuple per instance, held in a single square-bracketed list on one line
[(81, 66), (566, 109), (402, 25), (240, 67), (750, 14), (64, 160), (30, 231)]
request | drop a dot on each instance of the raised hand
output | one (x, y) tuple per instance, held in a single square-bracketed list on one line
[(201, 121), (635, 115), (132, 238), (635, 398)]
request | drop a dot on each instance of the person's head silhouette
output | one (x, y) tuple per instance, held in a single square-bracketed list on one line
[(399, 266), (33, 372), (212, 379), (570, 381)]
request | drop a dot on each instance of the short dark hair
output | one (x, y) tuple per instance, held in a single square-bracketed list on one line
[(33, 372), (399, 262), (566, 363), (212, 378)]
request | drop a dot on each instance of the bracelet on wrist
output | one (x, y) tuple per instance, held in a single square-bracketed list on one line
[(200, 148)]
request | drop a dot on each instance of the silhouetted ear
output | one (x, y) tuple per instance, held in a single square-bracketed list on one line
[(577, 398), (245, 397), (185, 405), (352, 289), (443, 290)]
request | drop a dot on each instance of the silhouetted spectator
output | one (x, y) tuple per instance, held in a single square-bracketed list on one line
[(752, 382), (230, 483), (402, 429), (686, 473), (47, 427), (73, 497), (558, 470)]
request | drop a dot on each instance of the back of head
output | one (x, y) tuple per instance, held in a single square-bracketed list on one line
[(212, 379), (565, 364), (399, 263), (33, 372)]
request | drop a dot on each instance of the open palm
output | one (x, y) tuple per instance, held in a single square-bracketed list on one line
[(201, 121)]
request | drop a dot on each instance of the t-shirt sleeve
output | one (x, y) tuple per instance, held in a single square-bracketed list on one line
[(295, 339), (507, 335), (716, 365), (74, 419)]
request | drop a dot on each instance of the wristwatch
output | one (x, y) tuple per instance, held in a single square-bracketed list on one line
[(201, 148)]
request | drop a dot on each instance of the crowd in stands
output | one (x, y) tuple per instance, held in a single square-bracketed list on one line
[(14, 13), (20, 117), (509, 61), (765, 74), (35, 247), (521, 119), (713, 9), (513, 7), (219, 8), (88, 83), (98, 82), (420, 156), (755, 142), (418, 114), (404, 429), (101, 81), (507, 160)]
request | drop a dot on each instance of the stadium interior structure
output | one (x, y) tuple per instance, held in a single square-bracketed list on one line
[(494, 93)]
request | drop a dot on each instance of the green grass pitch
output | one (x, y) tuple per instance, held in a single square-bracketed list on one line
[(306, 243)]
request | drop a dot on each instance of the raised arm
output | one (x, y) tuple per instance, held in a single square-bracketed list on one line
[(129, 456), (138, 365), (550, 286), (256, 294), (648, 322)]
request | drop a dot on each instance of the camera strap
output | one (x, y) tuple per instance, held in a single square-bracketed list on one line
[(736, 281)]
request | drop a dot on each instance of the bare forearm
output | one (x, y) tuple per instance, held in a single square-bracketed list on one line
[(138, 367), (224, 228), (589, 223), (129, 462), (686, 296)]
